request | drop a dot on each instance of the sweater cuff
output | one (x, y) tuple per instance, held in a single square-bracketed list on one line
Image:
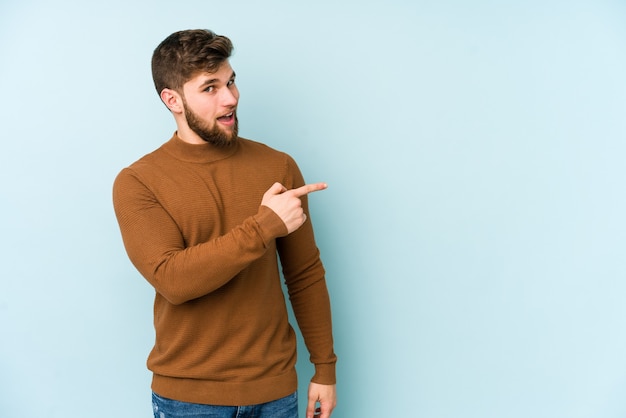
[(272, 226), (324, 374)]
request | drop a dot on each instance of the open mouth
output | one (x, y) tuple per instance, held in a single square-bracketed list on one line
[(228, 118)]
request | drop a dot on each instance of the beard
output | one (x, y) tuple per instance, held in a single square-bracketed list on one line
[(213, 135)]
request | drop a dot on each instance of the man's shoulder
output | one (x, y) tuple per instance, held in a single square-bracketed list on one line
[(261, 149), (145, 165), (280, 164), (250, 144), (151, 158)]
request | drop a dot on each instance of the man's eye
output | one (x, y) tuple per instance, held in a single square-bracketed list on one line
[(231, 82), (209, 89)]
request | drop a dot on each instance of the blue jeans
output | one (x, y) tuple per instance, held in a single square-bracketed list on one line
[(286, 407)]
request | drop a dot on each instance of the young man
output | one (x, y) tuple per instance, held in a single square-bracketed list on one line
[(204, 219)]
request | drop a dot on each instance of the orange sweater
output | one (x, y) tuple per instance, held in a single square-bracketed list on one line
[(192, 224)]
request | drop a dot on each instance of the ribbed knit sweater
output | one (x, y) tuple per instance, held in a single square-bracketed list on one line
[(192, 224)]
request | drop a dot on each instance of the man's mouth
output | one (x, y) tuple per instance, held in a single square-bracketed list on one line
[(227, 118)]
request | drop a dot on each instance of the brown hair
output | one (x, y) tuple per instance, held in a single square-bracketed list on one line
[(182, 55)]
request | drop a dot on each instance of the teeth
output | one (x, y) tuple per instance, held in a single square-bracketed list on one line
[(227, 116)]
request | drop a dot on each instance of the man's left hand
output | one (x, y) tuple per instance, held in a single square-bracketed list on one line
[(326, 395)]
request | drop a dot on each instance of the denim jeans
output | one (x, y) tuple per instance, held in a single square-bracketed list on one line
[(286, 407)]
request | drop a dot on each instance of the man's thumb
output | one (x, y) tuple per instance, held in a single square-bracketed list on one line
[(276, 188)]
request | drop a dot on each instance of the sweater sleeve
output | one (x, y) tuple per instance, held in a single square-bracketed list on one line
[(305, 279), (157, 249)]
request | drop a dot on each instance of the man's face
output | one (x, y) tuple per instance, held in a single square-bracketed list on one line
[(210, 101)]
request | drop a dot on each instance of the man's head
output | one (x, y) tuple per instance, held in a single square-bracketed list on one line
[(184, 54), (194, 79)]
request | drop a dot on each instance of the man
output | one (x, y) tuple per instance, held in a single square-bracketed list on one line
[(204, 219)]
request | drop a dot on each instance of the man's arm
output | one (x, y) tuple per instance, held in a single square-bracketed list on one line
[(158, 250), (306, 284)]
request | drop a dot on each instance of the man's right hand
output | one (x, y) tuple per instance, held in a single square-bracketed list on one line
[(287, 204)]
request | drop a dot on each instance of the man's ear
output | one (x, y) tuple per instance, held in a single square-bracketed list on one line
[(172, 100)]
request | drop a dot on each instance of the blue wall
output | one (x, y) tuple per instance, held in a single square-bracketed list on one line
[(473, 231)]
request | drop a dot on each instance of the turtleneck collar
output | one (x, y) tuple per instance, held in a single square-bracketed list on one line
[(197, 153)]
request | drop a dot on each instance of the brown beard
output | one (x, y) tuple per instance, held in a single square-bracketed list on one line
[(213, 135)]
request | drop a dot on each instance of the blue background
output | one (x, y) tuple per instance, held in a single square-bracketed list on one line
[(473, 231)]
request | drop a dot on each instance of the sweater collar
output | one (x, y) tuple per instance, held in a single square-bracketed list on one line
[(197, 153)]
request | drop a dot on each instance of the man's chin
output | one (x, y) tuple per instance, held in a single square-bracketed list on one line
[(226, 135), (231, 141)]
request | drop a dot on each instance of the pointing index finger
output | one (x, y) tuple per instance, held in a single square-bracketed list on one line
[(308, 188)]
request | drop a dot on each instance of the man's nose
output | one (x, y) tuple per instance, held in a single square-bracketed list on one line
[(230, 97)]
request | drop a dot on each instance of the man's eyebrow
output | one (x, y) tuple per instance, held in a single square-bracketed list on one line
[(210, 81)]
